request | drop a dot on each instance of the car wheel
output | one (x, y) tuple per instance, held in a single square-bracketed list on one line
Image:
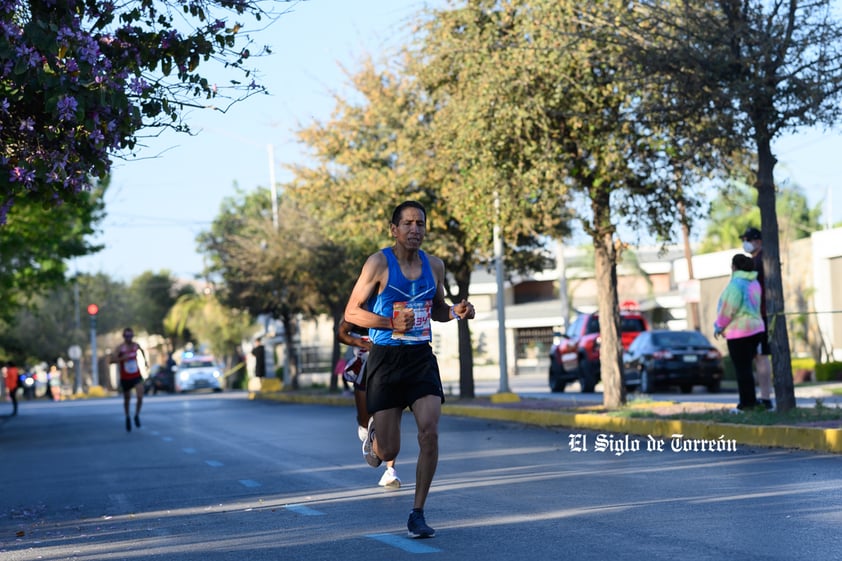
[(588, 375), (556, 383), (713, 387), (686, 388), (646, 385)]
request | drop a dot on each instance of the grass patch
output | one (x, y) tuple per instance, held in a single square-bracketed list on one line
[(798, 416)]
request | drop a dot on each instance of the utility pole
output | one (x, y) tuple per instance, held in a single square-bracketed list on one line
[(75, 351), (273, 188), (501, 298), (688, 256)]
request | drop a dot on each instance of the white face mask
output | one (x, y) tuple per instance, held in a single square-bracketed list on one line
[(748, 247)]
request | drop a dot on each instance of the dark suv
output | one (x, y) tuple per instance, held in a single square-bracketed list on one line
[(576, 355)]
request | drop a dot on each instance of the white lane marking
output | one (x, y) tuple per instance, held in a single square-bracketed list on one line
[(304, 510)]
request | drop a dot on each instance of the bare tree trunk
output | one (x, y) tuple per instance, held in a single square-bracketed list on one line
[(335, 352), (611, 348), (290, 352), (462, 277), (466, 362), (778, 335)]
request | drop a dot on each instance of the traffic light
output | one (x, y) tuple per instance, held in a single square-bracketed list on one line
[(93, 309)]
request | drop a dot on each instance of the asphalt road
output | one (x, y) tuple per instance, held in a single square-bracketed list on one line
[(218, 477)]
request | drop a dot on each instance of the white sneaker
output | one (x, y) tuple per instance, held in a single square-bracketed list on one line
[(368, 446), (362, 433), (390, 479)]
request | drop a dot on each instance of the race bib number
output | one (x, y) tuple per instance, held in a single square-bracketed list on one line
[(131, 366), (421, 329)]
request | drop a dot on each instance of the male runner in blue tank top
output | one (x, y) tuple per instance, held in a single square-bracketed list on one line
[(402, 370)]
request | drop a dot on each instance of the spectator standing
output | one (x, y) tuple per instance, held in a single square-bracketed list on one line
[(259, 353), (753, 245), (12, 383), (54, 383), (738, 318)]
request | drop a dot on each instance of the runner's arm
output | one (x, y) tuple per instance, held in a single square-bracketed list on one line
[(371, 277)]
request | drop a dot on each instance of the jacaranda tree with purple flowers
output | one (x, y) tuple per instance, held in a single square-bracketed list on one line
[(80, 80)]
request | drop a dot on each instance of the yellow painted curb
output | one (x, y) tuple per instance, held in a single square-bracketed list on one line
[(777, 436), (271, 384), (505, 397)]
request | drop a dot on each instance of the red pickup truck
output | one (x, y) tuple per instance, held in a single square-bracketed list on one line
[(576, 355)]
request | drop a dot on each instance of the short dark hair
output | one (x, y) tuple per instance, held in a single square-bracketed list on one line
[(396, 216), (742, 262)]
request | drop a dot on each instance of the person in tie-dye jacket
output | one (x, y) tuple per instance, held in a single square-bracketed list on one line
[(738, 318)]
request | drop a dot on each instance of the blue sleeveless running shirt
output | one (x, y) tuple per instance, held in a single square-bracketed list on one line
[(402, 293)]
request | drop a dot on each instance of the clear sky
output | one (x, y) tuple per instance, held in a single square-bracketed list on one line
[(158, 203)]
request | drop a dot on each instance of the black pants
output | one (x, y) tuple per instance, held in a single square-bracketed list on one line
[(13, 393), (743, 351)]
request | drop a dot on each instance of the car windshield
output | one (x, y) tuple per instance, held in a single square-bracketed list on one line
[(680, 339), (626, 324), (632, 324), (198, 364)]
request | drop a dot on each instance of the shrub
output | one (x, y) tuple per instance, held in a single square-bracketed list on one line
[(829, 372)]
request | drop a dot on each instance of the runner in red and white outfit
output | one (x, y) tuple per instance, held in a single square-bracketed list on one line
[(125, 356)]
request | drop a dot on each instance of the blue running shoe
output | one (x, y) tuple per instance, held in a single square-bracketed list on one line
[(417, 526)]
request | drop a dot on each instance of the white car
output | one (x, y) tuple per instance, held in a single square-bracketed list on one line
[(196, 373)]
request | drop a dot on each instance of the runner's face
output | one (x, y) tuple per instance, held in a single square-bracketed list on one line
[(411, 228), (127, 335)]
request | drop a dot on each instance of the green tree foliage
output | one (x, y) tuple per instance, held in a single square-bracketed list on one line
[(36, 243), (265, 269), (57, 319), (152, 296), (79, 79), (735, 209), (202, 319), (546, 103), (389, 142), (755, 69)]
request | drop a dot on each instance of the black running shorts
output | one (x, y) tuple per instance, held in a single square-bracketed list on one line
[(397, 376), (127, 385)]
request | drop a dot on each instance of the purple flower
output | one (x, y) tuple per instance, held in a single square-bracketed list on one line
[(138, 85), (27, 124), (65, 35), (20, 175), (66, 108), (28, 53), (89, 51)]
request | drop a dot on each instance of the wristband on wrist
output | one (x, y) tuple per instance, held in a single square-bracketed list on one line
[(453, 313), (392, 323)]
